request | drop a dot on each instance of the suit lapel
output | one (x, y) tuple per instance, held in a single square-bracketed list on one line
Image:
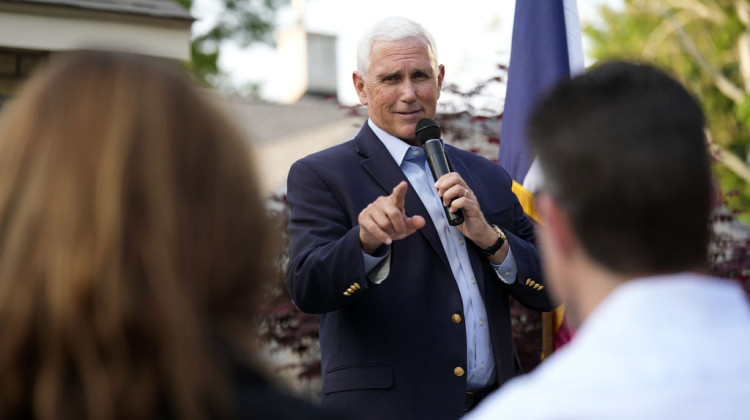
[(379, 163)]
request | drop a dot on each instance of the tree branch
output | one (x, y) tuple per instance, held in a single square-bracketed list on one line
[(663, 31), (711, 11), (728, 159), (743, 43), (725, 86)]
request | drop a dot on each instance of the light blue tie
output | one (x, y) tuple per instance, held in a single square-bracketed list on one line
[(422, 179), (416, 155)]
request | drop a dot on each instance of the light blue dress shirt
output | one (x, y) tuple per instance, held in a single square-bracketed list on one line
[(480, 360)]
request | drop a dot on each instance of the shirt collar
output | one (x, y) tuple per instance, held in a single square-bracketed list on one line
[(396, 147)]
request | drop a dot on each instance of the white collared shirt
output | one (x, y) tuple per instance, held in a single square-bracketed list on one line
[(666, 347)]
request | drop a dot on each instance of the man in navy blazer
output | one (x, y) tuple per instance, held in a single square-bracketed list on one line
[(415, 321)]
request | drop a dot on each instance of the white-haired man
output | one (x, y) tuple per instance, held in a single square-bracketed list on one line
[(415, 311)]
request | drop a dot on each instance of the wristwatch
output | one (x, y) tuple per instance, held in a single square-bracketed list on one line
[(500, 241)]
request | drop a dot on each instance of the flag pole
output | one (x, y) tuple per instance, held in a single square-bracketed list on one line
[(546, 48)]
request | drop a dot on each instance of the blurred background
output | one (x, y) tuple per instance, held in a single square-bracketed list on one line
[(283, 69), (293, 59)]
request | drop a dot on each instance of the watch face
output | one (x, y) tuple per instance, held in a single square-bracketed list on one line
[(500, 233)]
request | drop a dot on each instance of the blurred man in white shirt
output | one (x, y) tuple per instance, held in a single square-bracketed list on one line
[(626, 211)]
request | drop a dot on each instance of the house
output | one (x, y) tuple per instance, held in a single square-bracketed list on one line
[(31, 30), (304, 116)]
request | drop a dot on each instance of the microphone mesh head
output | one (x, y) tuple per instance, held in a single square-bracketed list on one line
[(426, 129)]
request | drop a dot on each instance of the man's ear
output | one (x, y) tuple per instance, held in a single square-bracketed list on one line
[(557, 225), (441, 75), (359, 86)]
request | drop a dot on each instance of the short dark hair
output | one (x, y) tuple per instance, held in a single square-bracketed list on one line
[(622, 148)]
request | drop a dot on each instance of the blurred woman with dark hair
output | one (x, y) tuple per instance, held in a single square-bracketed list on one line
[(133, 242)]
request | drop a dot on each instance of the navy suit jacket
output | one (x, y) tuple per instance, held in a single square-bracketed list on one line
[(390, 351)]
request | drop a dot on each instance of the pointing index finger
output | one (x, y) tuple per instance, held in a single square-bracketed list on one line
[(398, 195)]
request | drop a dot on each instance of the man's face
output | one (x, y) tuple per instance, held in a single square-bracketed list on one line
[(402, 85)]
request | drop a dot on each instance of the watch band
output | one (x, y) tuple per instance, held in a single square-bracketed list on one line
[(500, 241)]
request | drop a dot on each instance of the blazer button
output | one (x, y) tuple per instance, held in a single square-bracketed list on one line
[(458, 371), (456, 318)]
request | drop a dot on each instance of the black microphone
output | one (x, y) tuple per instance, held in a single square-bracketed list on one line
[(428, 135)]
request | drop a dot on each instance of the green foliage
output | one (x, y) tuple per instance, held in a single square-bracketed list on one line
[(242, 21), (185, 3), (649, 30)]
